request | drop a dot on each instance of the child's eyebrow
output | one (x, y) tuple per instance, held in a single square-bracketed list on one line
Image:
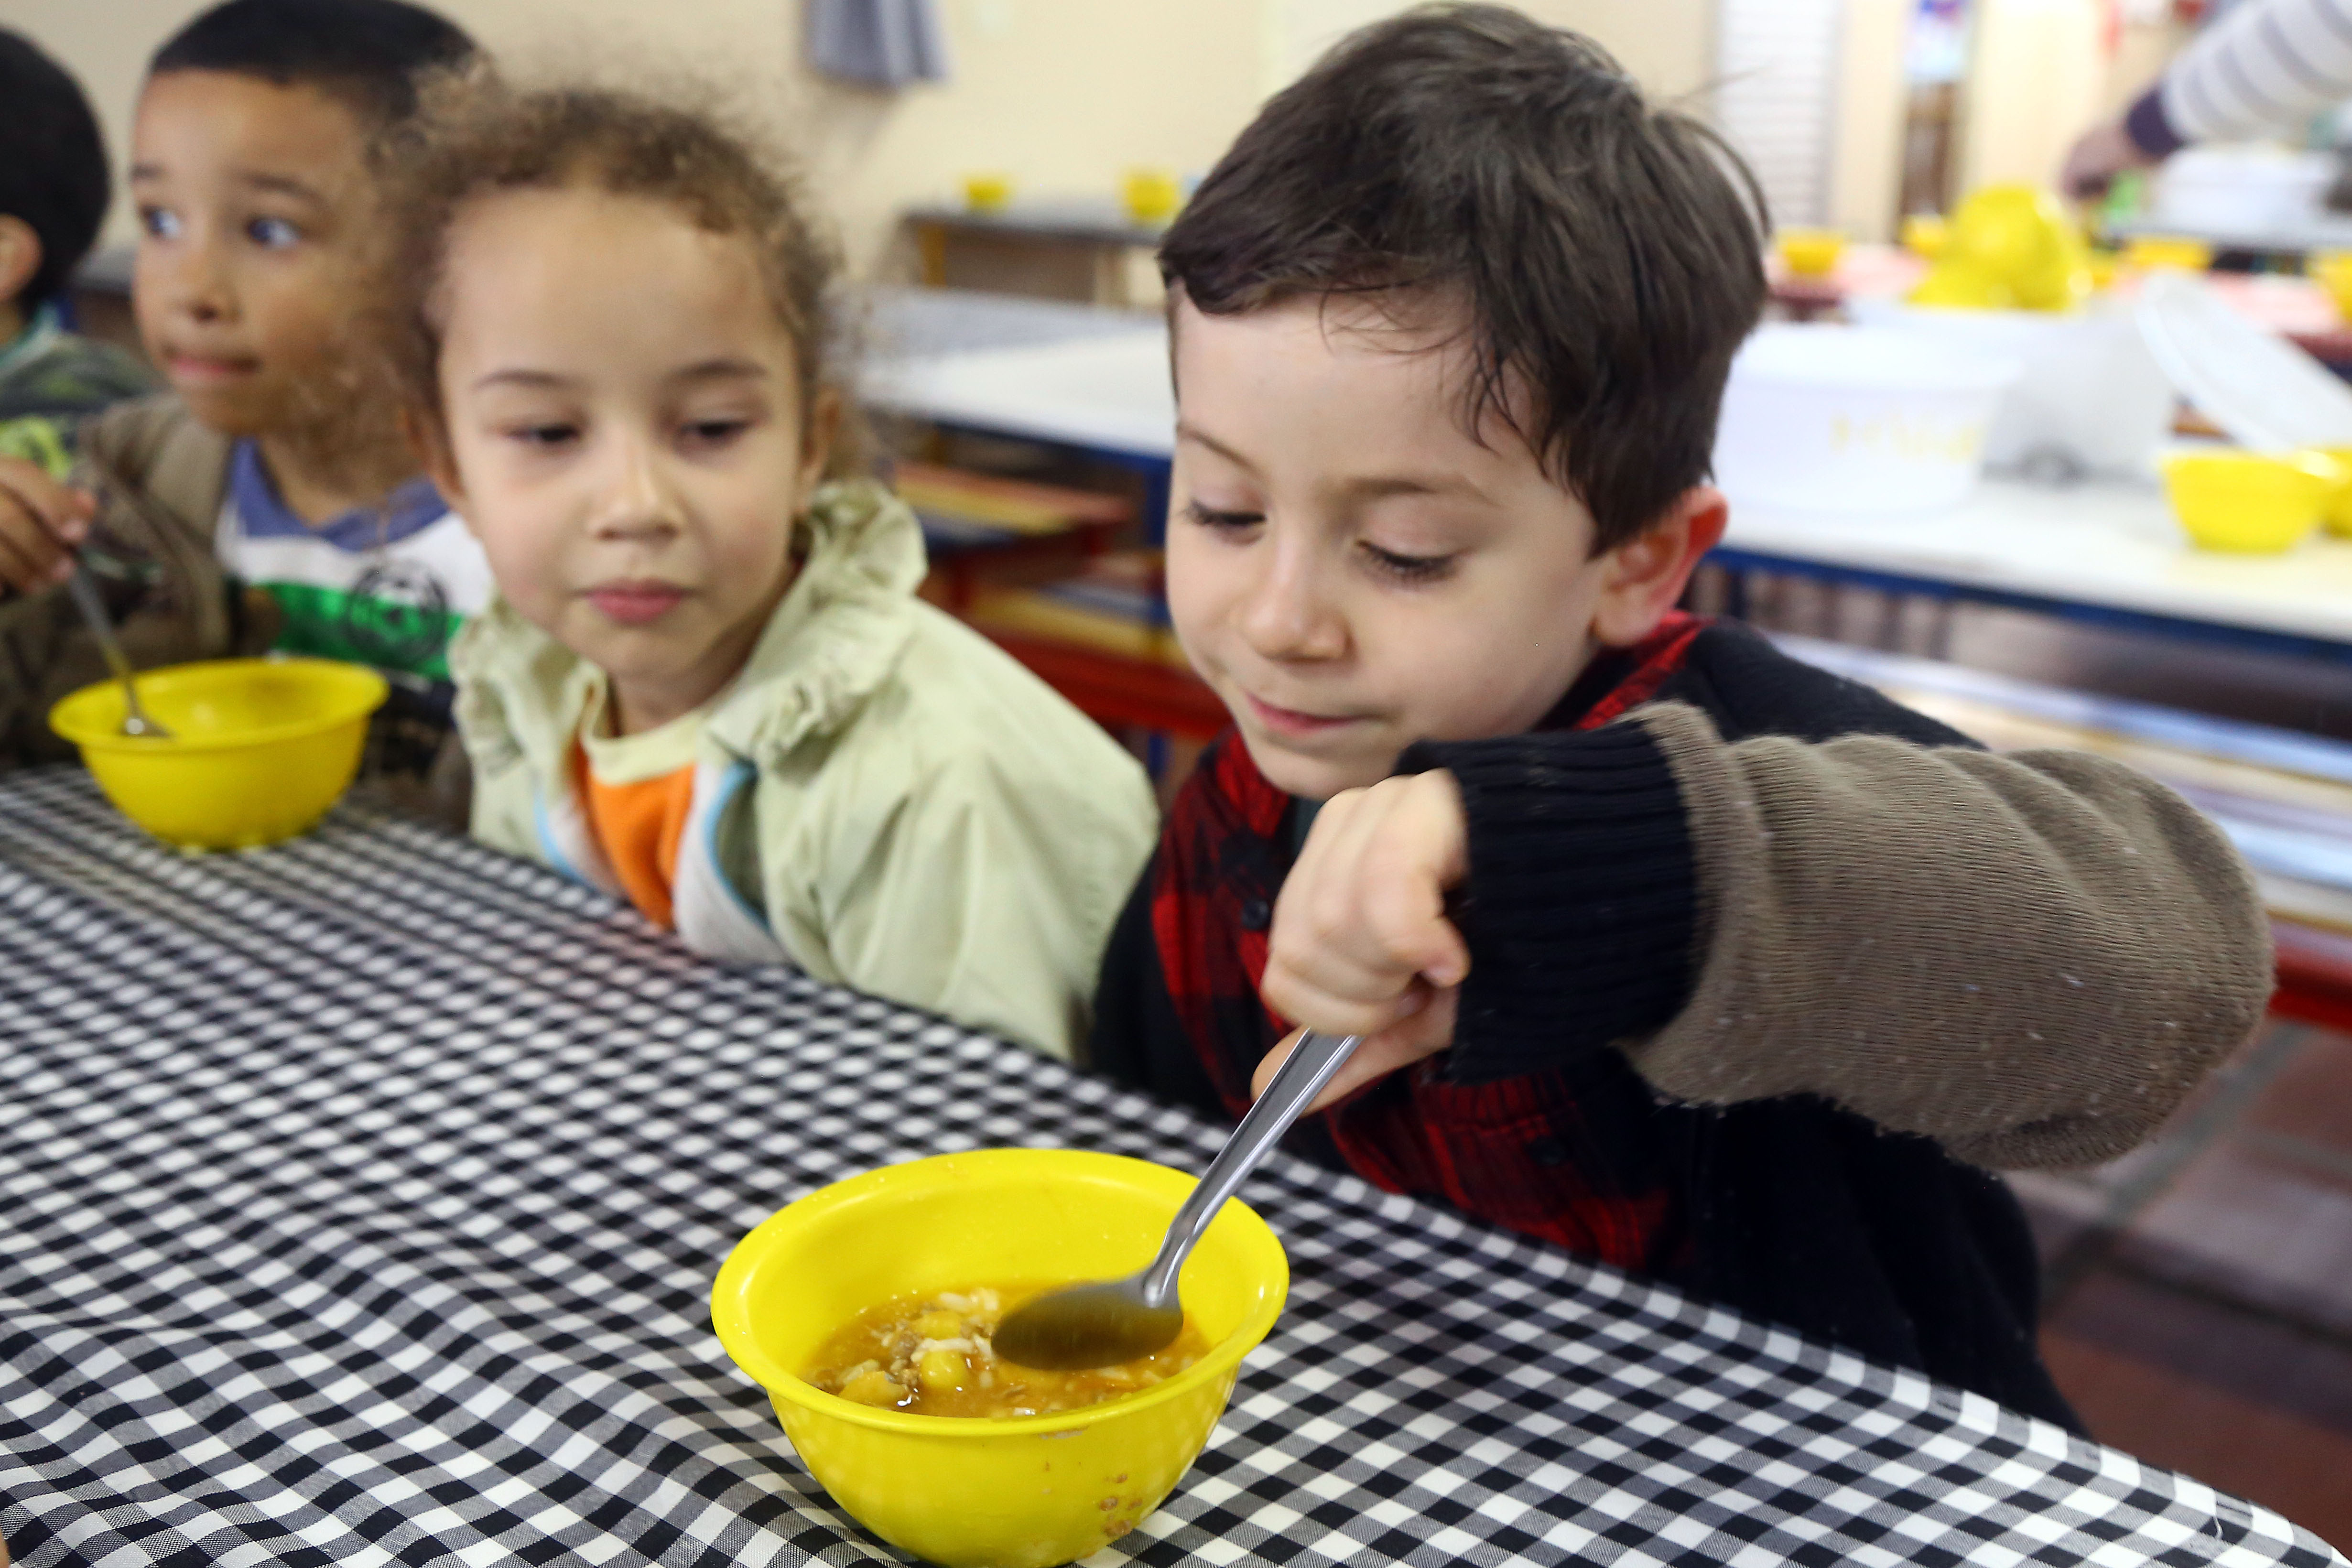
[(1374, 487), (720, 369), (281, 185), (521, 378), (1199, 437)]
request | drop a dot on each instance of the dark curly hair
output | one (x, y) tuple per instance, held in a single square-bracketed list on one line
[(1609, 250), (476, 136), (52, 163)]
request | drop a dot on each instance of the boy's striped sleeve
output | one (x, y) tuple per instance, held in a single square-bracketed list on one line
[(2263, 70)]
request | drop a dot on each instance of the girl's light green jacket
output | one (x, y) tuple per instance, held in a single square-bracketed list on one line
[(883, 798)]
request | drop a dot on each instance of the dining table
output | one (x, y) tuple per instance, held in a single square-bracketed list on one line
[(360, 1198)]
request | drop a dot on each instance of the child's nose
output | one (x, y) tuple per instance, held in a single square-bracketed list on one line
[(1288, 614), (194, 284), (639, 503)]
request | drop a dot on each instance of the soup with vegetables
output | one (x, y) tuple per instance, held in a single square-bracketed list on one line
[(932, 1355)]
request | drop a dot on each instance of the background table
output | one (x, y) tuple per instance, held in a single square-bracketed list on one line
[(2108, 552), (359, 1200)]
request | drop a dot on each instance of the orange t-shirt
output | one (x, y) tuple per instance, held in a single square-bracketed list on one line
[(636, 790)]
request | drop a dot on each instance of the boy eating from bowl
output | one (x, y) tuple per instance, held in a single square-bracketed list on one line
[(1668, 949), (269, 499)]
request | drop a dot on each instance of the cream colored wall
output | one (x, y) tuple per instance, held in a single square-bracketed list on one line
[(1866, 172), (1667, 45), (1063, 94), (2037, 80)]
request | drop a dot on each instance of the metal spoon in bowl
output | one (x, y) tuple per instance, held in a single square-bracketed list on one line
[(1119, 1320), (85, 597)]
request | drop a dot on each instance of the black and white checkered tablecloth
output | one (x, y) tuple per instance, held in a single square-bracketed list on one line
[(359, 1200)]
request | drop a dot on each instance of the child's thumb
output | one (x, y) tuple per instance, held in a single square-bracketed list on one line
[(1447, 963)]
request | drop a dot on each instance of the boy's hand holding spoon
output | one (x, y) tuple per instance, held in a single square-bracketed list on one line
[(1360, 943)]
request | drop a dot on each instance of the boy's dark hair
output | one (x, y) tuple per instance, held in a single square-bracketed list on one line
[(479, 137), (368, 53), (52, 162), (1609, 252)]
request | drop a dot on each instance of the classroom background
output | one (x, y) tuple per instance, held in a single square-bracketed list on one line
[(1000, 169)]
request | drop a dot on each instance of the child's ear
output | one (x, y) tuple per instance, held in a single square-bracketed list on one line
[(430, 443), (818, 432), (1646, 574), (20, 256)]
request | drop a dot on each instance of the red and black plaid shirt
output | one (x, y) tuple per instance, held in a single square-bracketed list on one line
[(1540, 1152)]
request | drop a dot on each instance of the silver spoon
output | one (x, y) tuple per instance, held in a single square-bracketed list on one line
[(85, 597), (1119, 1320)]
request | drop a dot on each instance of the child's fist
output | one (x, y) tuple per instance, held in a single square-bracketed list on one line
[(1360, 943), (42, 523)]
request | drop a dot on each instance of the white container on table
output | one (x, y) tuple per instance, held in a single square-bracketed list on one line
[(2091, 398), (2243, 190), (1855, 419)]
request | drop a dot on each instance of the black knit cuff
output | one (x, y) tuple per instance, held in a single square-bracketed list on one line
[(2146, 123), (1581, 902)]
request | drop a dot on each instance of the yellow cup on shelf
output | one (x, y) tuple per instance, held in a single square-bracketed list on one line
[(1810, 252), (1151, 196), (2250, 503), (2152, 252), (987, 192)]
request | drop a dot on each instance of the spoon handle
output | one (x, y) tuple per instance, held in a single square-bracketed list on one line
[(101, 626), (1296, 1084)]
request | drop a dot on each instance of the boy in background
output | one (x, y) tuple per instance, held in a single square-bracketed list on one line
[(54, 190), (1666, 948), (270, 500)]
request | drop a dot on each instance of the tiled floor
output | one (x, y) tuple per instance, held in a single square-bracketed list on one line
[(2201, 1289)]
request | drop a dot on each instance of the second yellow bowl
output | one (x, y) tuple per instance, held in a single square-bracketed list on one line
[(260, 747), (2248, 503), (1021, 1493)]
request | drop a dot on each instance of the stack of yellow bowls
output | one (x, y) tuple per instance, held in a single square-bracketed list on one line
[(2008, 247)]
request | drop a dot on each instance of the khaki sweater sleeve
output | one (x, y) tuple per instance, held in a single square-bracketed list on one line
[(2031, 958)]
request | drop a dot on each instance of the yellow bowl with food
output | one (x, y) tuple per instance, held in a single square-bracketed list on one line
[(994, 1491), (259, 750), (2248, 503)]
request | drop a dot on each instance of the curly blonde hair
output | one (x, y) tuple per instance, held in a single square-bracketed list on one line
[(478, 136)]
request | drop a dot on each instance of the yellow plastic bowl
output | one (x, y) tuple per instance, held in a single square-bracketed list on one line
[(260, 747), (2337, 512), (1925, 235), (987, 193), (2248, 502), (2151, 253), (1020, 1492), (1811, 253), (1152, 196), (2333, 272)]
